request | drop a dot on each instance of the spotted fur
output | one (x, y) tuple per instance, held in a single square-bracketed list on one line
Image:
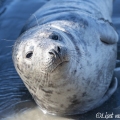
[(66, 55)]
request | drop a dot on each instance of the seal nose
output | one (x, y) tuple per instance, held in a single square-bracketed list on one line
[(55, 52)]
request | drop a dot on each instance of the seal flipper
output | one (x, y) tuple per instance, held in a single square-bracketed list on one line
[(109, 93), (107, 32)]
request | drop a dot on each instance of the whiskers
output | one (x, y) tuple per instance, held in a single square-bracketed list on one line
[(10, 46), (36, 20), (73, 55), (7, 40)]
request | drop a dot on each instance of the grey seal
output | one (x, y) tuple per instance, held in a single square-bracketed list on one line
[(66, 55)]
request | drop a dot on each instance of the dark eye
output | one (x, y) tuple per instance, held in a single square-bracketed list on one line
[(54, 37), (29, 54)]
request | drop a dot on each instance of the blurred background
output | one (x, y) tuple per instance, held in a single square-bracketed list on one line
[(15, 101)]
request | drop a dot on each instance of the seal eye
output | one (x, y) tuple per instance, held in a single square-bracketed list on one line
[(29, 54), (54, 37)]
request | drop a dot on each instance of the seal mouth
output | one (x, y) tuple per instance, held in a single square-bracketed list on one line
[(54, 64), (60, 64)]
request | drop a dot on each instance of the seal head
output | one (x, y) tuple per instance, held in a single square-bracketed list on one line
[(66, 55), (63, 63)]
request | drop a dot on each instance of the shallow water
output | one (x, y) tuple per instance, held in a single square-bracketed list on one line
[(15, 101)]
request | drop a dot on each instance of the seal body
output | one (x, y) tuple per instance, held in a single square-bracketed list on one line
[(66, 55)]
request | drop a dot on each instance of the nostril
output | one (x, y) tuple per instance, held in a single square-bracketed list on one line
[(51, 53), (58, 49)]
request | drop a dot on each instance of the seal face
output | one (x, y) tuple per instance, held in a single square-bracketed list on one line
[(67, 64)]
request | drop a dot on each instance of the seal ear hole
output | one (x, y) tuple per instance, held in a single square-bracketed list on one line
[(29, 54), (104, 42)]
